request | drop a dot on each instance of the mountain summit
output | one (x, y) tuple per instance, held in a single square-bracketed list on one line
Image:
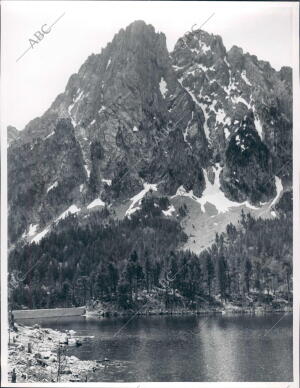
[(200, 123)]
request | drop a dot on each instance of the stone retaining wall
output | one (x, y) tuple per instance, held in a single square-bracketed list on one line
[(49, 313)]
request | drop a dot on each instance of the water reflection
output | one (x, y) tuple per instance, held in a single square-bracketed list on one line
[(186, 348)]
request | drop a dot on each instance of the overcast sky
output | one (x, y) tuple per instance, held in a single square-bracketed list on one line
[(30, 85)]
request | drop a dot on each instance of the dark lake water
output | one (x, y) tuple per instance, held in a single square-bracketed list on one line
[(185, 348)]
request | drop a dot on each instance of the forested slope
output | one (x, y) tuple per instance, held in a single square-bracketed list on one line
[(124, 262)]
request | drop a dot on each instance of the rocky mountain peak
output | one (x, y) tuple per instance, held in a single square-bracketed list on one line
[(199, 46), (129, 116), (139, 31), (240, 97), (135, 117)]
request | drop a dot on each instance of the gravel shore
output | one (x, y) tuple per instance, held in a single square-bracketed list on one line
[(39, 355)]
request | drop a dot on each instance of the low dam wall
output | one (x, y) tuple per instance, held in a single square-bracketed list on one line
[(49, 313)]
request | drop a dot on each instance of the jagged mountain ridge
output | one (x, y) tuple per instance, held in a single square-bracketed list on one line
[(132, 115), (237, 91)]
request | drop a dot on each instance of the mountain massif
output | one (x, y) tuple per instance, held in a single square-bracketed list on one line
[(157, 177), (209, 131)]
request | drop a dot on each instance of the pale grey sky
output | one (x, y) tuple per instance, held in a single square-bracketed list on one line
[(30, 85)]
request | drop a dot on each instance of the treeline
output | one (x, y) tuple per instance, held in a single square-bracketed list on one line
[(116, 261)]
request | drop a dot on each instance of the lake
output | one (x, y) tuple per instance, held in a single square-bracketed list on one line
[(184, 348)]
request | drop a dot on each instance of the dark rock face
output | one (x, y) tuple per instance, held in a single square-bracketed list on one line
[(43, 178), (247, 174), (228, 86), (133, 114), (131, 117)]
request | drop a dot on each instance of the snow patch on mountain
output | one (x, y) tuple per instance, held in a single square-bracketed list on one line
[(71, 210), (237, 140), (202, 67), (55, 184), (202, 106), (187, 129), (175, 67), (75, 100), (136, 200), (107, 181), (78, 96), (231, 85), (169, 211), (226, 132), (40, 235), (239, 99), (108, 63), (213, 194), (279, 189), (258, 125), (70, 108), (204, 47), (96, 202), (102, 109), (244, 76), (31, 232), (50, 134), (163, 87), (74, 123), (206, 117), (88, 172), (220, 117)]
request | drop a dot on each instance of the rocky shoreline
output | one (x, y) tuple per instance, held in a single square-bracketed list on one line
[(110, 314), (36, 354), (110, 310)]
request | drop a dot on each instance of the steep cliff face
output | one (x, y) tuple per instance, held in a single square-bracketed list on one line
[(236, 90), (43, 178), (133, 123), (247, 172), (135, 117)]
